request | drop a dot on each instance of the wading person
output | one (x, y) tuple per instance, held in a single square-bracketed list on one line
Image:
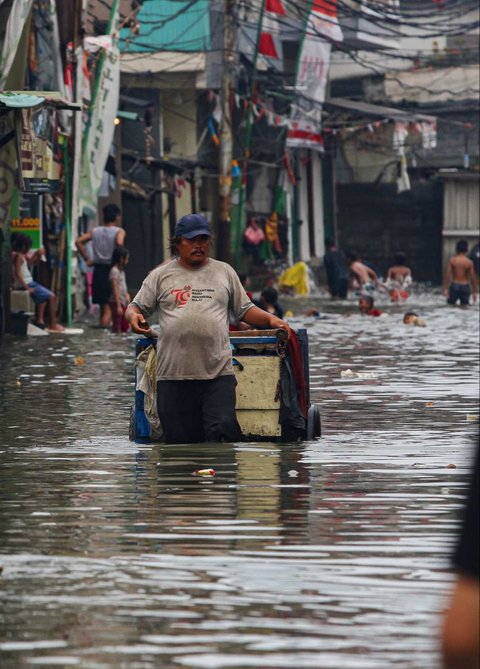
[(411, 318), (269, 301), (366, 306), (105, 238), (399, 278), (460, 281), (364, 278), (337, 271), (194, 295)]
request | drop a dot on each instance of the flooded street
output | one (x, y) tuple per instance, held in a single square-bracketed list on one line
[(324, 555)]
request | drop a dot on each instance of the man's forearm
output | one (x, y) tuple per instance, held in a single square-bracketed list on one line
[(81, 250), (258, 317)]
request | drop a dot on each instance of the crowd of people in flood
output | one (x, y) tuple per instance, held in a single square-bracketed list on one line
[(350, 274), (104, 257)]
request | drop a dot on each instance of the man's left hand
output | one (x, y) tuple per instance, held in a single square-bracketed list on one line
[(276, 323)]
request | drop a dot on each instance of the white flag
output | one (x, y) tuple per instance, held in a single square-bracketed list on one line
[(101, 120), (16, 21)]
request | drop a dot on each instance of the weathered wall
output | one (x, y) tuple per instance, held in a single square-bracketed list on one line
[(144, 238), (377, 222)]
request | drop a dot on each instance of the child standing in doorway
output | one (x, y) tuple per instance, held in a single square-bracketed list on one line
[(119, 298)]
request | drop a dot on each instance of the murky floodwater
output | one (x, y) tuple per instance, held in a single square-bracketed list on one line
[(326, 555)]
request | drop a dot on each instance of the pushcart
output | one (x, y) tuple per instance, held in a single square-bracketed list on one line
[(273, 388)]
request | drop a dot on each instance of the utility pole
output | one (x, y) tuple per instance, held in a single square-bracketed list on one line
[(240, 218), (226, 145)]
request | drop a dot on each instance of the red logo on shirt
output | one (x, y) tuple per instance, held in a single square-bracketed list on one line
[(182, 295)]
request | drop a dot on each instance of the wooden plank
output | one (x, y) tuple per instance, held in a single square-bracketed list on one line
[(253, 333), (259, 423), (257, 383)]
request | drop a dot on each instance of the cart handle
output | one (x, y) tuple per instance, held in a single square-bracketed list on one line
[(281, 334)]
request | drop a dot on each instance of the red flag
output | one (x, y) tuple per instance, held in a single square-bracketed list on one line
[(267, 44), (327, 7)]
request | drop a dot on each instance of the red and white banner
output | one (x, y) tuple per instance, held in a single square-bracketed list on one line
[(269, 43), (312, 74), (324, 15)]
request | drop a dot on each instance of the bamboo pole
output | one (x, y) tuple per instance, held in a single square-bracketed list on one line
[(68, 234)]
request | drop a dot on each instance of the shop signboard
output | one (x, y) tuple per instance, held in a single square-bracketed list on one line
[(39, 164)]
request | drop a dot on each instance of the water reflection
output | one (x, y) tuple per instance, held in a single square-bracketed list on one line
[(322, 555)]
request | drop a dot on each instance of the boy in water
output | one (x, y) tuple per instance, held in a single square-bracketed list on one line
[(366, 305), (363, 277), (269, 302), (411, 318), (460, 280), (399, 279)]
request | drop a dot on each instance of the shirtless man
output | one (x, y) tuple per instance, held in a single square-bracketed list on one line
[(365, 277), (460, 280)]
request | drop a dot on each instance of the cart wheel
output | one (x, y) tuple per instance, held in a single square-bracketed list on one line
[(131, 424), (314, 424)]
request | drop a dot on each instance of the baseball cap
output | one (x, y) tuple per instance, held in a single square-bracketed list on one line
[(191, 226)]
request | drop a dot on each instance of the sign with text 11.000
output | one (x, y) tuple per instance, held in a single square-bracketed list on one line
[(28, 221)]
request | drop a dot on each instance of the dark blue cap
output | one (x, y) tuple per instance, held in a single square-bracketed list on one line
[(191, 226)]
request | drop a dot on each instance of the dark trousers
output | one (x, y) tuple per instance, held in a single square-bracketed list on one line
[(196, 411), (339, 288), (459, 291), (101, 288)]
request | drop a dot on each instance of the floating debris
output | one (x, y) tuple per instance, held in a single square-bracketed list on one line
[(349, 374), (204, 472)]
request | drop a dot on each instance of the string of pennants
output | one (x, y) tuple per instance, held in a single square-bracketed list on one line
[(261, 111)]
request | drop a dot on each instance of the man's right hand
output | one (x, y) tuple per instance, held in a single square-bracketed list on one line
[(139, 324)]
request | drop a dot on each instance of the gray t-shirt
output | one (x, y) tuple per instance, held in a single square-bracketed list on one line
[(103, 243), (193, 306)]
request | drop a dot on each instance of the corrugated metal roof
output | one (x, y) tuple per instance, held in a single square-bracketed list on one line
[(366, 109), (169, 25), (24, 99)]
